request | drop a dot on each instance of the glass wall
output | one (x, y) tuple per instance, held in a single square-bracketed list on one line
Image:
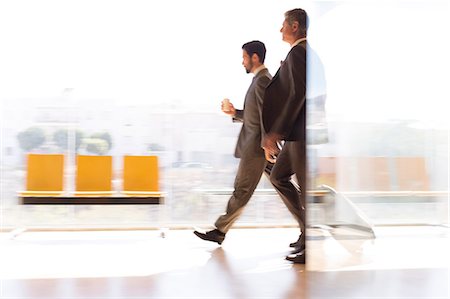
[(386, 108), (120, 78)]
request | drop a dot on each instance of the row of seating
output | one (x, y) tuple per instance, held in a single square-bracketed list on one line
[(93, 180), (383, 174)]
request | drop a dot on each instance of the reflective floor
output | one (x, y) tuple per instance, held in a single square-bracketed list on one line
[(401, 262)]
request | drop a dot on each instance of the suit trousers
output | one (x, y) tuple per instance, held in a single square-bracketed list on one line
[(292, 160), (247, 178)]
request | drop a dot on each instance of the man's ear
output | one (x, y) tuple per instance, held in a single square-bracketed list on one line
[(295, 26), (255, 57)]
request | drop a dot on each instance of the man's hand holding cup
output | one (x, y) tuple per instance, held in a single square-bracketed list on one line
[(228, 108)]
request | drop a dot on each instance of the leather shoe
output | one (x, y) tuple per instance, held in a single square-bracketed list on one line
[(298, 249), (299, 243), (297, 258), (214, 235)]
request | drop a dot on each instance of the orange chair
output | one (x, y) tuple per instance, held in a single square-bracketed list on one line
[(141, 176), (44, 175), (412, 174), (363, 174), (93, 178), (326, 172)]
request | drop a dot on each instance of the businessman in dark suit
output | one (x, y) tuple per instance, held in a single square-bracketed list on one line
[(284, 120), (252, 160)]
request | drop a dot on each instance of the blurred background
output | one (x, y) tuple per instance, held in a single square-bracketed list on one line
[(147, 78)]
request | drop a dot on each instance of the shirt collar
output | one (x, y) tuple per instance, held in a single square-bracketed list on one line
[(298, 41), (258, 69)]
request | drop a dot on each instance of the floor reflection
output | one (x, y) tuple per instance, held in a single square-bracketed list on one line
[(401, 262)]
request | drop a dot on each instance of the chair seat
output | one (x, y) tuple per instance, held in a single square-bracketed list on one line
[(40, 193)]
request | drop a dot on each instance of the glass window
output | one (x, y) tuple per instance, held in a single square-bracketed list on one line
[(144, 78)]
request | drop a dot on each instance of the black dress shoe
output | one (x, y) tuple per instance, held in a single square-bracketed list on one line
[(297, 258), (214, 235), (298, 249), (300, 242)]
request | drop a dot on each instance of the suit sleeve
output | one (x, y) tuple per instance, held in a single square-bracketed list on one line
[(259, 94), (239, 116), (296, 96)]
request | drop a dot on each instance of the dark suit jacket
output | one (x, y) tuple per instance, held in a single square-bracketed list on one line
[(249, 141), (284, 107)]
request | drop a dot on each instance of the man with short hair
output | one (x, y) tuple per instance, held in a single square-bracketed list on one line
[(284, 120), (253, 163)]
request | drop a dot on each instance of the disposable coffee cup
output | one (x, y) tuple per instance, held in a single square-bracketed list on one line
[(226, 105)]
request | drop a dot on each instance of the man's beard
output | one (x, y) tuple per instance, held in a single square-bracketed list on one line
[(249, 68)]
